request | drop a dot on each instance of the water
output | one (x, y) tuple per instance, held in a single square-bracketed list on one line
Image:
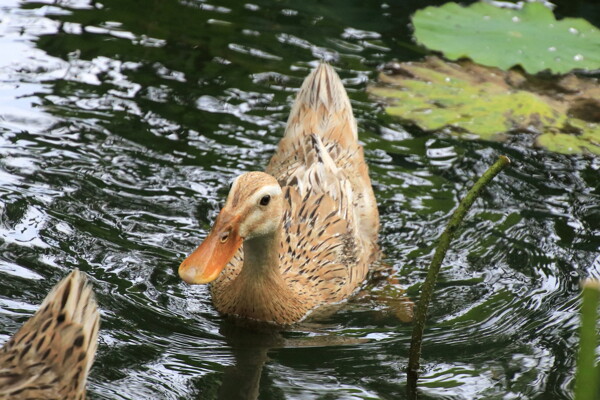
[(122, 123)]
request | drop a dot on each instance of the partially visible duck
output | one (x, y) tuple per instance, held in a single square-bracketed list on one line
[(51, 355), (304, 233)]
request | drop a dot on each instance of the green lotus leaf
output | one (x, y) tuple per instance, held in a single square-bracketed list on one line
[(503, 37), (471, 100)]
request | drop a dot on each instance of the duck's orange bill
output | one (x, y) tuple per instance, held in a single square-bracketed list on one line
[(213, 254)]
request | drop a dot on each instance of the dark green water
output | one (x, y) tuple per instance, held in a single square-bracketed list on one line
[(122, 123)]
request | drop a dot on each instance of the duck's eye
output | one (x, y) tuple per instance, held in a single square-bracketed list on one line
[(224, 237), (265, 200)]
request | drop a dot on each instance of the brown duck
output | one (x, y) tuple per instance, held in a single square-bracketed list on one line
[(51, 355), (304, 233)]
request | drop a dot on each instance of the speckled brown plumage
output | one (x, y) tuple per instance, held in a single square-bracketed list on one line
[(325, 216), (51, 355)]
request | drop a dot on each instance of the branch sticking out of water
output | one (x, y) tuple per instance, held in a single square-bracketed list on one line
[(587, 376), (434, 269)]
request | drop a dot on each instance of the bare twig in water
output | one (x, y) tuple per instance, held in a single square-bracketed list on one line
[(434, 268)]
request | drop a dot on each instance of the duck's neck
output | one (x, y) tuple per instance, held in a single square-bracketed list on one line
[(261, 261), (259, 291)]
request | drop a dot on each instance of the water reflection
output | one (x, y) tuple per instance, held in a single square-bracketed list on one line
[(250, 347)]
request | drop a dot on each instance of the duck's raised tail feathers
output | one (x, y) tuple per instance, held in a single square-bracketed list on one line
[(322, 107), (52, 353)]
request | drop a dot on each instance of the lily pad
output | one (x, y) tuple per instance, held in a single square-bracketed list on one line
[(503, 37), (471, 100)]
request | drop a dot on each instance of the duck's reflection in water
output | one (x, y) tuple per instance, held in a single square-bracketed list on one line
[(251, 342)]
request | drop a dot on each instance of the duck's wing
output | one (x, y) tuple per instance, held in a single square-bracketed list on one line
[(320, 152), (320, 257), (52, 353)]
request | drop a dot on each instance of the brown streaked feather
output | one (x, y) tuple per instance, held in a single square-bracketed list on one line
[(52, 353), (327, 114)]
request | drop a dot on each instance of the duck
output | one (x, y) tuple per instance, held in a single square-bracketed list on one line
[(303, 234), (50, 356)]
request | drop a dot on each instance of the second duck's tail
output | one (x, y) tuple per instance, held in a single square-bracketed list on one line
[(52, 353)]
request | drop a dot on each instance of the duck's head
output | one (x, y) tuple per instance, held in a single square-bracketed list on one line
[(254, 208)]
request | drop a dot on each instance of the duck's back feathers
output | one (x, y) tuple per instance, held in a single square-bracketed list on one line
[(331, 223), (320, 151), (52, 353)]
